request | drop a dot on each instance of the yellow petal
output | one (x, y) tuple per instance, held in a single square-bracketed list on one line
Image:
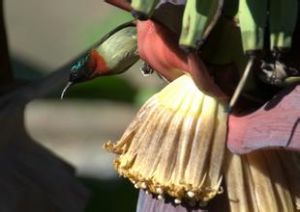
[(176, 143), (263, 181)]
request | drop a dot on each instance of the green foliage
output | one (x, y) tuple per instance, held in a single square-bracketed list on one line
[(144, 94), (109, 88), (96, 30)]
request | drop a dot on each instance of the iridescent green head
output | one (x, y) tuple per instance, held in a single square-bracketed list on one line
[(80, 71)]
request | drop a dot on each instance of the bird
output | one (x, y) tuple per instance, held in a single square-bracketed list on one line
[(153, 43), (115, 53)]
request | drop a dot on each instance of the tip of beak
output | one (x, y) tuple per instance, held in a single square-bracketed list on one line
[(69, 84)]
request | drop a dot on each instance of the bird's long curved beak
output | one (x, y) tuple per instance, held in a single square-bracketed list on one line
[(69, 84)]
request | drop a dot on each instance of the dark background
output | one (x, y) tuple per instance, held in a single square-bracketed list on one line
[(44, 36)]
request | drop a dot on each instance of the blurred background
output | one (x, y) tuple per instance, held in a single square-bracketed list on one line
[(43, 37)]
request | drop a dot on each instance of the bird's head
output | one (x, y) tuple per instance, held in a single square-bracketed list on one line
[(115, 53), (88, 67), (80, 71)]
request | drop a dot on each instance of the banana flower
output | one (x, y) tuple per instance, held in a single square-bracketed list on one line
[(186, 152), (176, 146)]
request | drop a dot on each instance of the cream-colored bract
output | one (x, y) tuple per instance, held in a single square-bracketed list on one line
[(176, 143), (266, 180)]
